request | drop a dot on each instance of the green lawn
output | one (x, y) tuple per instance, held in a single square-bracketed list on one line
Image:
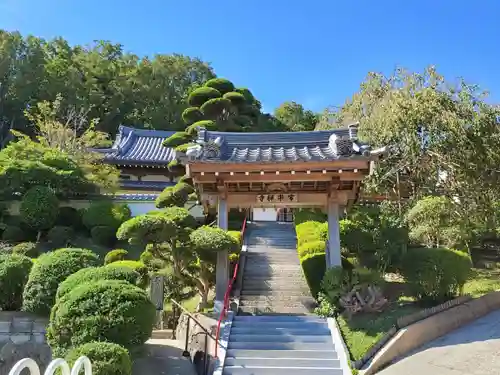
[(362, 331)]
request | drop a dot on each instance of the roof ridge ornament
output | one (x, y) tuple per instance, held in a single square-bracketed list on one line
[(205, 148)]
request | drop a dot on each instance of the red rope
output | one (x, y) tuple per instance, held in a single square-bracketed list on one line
[(228, 293)]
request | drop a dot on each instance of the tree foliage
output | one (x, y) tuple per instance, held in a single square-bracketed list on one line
[(295, 118), (39, 208)]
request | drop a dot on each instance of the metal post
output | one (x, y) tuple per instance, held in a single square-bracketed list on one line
[(205, 361), (185, 353)]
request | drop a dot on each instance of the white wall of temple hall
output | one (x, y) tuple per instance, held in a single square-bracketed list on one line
[(264, 214)]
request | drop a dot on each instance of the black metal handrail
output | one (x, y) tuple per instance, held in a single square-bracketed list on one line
[(185, 353)]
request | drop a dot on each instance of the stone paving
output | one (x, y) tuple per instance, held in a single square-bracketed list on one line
[(473, 349)]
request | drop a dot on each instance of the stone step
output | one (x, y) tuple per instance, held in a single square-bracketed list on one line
[(319, 330), (277, 306), (282, 362), (303, 291), (312, 354), (280, 319), (276, 298), (273, 310), (257, 370), (272, 325), (249, 338), (265, 345)]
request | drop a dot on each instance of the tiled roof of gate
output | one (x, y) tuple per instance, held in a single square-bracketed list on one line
[(139, 146), (278, 147)]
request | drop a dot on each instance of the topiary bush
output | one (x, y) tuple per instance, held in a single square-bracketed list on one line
[(39, 208), (201, 95), (236, 234), (214, 108), (191, 115), (115, 255), (107, 358), (177, 139), (151, 262), (103, 235), (435, 275), (313, 214), (29, 249), (136, 266), (106, 310), (314, 247), (236, 98), (60, 235), (14, 272), (48, 272), (222, 85), (70, 217), (13, 234), (205, 124), (311, 231), (246, 93), (106, 213), (95, 274)]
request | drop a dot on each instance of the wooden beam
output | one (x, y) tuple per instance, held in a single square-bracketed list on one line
[(352, 163), (313, 176)]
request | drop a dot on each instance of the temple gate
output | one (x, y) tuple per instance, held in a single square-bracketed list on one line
[(318, 169)]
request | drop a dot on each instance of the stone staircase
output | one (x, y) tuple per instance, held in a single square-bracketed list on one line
[(273, 281), (282, 337)]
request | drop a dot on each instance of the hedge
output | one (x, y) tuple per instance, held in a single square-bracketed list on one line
[(222, 85), (106, 310), (136, 266), (435, 275), (95, 274), (29, 249), (314, 247), (314, 268), (115, 255), (201, 95), (107, 358), (310, 231), (103, 235), (60, 235), (48, 272), (14, 272), (106, 213), (13, 234), (313, 214)]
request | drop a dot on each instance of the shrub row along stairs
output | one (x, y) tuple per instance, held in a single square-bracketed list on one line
[(282, 337)]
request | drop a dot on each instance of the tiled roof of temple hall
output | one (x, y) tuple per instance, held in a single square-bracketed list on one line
[(279, 147), (139, 147)]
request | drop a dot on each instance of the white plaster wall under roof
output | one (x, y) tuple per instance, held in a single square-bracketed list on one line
[(265, 214)]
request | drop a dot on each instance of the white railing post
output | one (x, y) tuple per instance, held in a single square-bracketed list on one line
[(53, 366)]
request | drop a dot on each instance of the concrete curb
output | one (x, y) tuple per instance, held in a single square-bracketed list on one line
[(340, 346), (415, 335), (224, 341)]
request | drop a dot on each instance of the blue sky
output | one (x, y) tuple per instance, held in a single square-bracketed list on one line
[(315, 52)]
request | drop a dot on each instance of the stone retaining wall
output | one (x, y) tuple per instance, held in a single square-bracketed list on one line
[(22, 335)]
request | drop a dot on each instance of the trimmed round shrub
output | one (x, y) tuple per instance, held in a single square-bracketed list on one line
[(246, 93), (222, 85), (206, 124), (309, 231), (14, 272), (191, 115), (48, 272), (201, 95), (103, 235), (176, 167), (106, 310), (236, 98), (39, 208), (435, 275), (70, 217), (13, 234), (106, 213), (243, 121), (107, 358), (236, 234), (95, 274), (249, 110), (29, 249), (115, 255), (152, 263), (60, 235), (314, 247), (136, 266), (177, 139), (214, 108)]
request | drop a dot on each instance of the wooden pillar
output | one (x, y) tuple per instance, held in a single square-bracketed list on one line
[(222, 267), (333, 257)]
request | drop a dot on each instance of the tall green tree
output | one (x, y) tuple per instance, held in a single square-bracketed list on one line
[(295, 117)]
